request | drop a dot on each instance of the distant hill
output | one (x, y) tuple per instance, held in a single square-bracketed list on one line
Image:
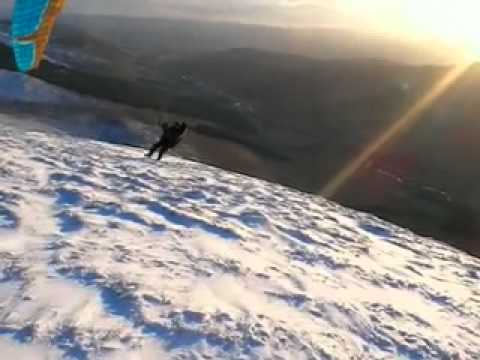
[(165, 37)]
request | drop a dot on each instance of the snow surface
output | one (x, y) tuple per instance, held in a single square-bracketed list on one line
[(107, 255), (22, 87), (75, 114)]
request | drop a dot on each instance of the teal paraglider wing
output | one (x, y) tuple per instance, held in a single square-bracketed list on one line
[(32, 24)]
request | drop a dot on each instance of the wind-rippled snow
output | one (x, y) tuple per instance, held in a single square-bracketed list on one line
[(107, 255)]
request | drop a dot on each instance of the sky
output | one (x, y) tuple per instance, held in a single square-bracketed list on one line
[(454, 21)]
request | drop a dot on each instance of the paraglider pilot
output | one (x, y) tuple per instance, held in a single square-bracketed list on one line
[(171, 137)]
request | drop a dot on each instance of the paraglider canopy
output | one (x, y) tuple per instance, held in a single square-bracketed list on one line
[(32, 25)]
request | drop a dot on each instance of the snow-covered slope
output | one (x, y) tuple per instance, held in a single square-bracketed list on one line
[(75, 114), (107, 255), (21, 87)]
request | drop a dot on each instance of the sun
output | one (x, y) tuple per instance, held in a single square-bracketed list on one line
[(454, 22), (457, 22)]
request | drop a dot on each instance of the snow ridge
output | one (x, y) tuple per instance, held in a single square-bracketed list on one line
[(107, 255)]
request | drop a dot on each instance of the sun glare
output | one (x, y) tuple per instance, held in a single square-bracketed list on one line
[(392, 133), (454, 21)]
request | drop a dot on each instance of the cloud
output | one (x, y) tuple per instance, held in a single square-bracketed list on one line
[(281, 12), (299, 12)]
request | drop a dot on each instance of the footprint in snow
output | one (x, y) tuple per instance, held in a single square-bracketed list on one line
[(8, 219), (69, 222), (115, 211), (71, 178), (376, 230), (253, 219), (68, 197), (190, 222)]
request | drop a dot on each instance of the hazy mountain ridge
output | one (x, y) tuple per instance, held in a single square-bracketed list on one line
[(170, 36)]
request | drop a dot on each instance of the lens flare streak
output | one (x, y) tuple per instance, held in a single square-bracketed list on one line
[(403, 124)]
